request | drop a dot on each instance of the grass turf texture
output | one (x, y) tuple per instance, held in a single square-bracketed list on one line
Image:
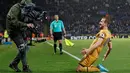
[(42, 60)]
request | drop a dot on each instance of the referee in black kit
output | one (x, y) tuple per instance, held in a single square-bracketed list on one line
[(56, 28)]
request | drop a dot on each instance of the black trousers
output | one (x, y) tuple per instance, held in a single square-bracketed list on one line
[(22, 48)]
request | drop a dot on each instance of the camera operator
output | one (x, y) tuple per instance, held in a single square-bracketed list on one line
[(16, 29)]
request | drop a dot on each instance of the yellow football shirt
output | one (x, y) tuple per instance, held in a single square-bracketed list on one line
[(106, 36)]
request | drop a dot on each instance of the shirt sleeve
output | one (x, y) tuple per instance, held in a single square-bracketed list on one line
[(51, 25), (62, 25)]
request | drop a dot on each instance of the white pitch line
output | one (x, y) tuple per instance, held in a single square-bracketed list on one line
[(66, 52)]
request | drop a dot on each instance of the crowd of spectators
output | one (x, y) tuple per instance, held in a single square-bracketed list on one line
[(81, 17)]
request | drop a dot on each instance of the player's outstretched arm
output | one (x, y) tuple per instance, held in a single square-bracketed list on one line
[(94, 46), (108, 51), (85, 51)]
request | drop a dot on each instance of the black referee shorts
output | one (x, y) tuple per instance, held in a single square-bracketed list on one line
[(57, 36)]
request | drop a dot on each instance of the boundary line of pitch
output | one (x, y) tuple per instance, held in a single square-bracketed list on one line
[(73, 56)]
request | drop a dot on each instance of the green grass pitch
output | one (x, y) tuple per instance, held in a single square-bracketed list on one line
[(42, 60)]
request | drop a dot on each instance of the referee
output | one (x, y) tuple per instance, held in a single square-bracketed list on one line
[(56, 28)]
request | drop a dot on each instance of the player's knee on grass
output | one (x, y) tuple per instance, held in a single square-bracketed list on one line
[(93, 69), (87, 69), (82, 69)]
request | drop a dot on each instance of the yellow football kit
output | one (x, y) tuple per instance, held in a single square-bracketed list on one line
[(87, 62)]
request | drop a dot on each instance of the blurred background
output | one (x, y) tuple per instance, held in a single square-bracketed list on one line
[(81, 17)]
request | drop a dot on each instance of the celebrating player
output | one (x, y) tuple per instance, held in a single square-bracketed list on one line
[(91, 54)]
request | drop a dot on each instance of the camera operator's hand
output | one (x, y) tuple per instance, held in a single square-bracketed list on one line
[(30, 25)]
